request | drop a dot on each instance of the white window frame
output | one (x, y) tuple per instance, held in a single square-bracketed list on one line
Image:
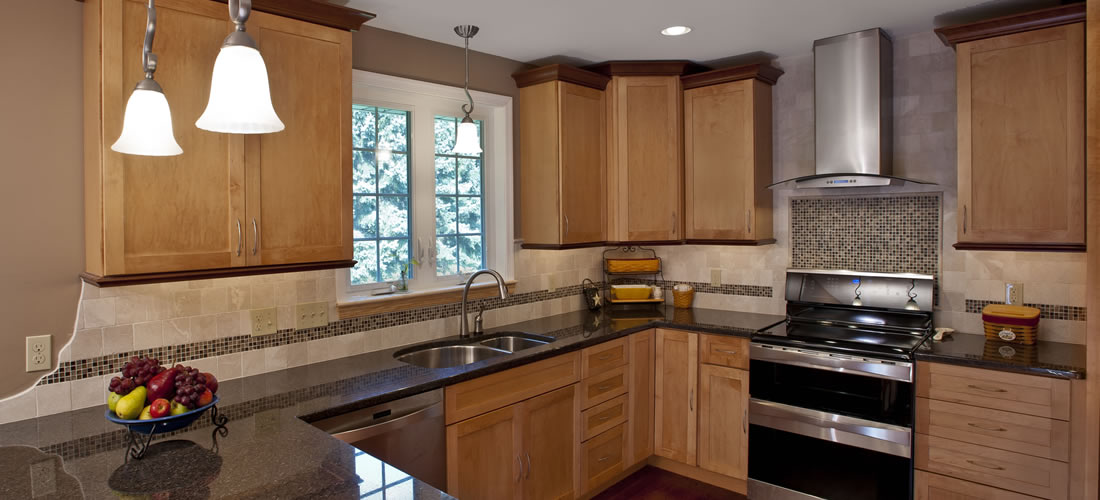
[(424, 101)]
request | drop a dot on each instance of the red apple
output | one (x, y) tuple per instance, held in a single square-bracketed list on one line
[(160, 408), (162, 385), (206, 398), (211, 382)]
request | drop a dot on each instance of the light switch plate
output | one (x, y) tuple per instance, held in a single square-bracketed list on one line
[(311, 315), (39, 353), (715, 277), (1014, 293), (264, 321)]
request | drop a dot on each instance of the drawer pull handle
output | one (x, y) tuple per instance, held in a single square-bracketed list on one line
[(986, 389), (726, 351), (603, 387), (987, 466), (604, 458), (604, 418), (987, 427), (603, 357)]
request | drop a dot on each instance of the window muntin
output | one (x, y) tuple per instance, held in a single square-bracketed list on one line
[(459, 203), (382, 208)]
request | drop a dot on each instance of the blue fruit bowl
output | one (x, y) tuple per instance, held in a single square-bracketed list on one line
[(162, 424)]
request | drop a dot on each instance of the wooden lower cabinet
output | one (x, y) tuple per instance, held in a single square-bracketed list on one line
[(524, 451), (602, 458), (723, 430), (641, 397), (929, 486), (674, 398)]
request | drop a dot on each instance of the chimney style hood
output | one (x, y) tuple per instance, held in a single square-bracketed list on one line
[(853, 113)]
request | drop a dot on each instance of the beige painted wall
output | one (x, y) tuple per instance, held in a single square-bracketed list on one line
[(397, 54), (41, 219)]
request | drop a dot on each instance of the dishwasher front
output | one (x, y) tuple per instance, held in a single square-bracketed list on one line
[(409, 434)]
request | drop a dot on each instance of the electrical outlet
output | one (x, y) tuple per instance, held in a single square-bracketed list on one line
[(715, 277), (311, 315), (1014, 293), (263, 321), (43, 478), (39, 351)]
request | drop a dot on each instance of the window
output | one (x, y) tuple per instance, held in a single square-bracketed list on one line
[(417, 207), (380, 181)]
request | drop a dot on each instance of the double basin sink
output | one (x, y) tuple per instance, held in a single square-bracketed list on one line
[(466, 351)]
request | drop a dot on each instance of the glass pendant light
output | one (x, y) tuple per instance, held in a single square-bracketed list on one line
[(467, 141), (240, 98), (147, 122)]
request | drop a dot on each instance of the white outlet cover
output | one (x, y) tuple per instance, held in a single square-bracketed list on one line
[(264, 321), (39, 353)]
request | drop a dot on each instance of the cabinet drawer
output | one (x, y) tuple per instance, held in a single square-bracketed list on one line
[(602, 417), (724, 351), (1027, 394), (595, 390), (601, 358), (1041, 437), (602, 458), (484, 394), (928, 486), (1035, 476)]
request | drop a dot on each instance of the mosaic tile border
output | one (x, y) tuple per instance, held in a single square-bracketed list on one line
[(1046, 311), (112, 363)]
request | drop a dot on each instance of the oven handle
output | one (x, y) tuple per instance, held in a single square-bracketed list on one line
[(866, 434), (818, 360)]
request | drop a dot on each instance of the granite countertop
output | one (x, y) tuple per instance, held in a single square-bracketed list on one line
[(271, 451), (1049, 359)]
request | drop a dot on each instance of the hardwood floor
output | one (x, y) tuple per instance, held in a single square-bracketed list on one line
[(651, 483)]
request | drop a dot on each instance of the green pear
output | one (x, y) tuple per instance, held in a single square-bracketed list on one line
[(112, 400), (129, 406), (178, 409)]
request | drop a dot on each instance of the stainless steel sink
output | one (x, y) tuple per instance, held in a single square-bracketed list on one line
[(449, 355), (472, 350), (515, 341)]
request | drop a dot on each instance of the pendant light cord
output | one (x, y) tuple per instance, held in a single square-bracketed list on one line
[(148, 58), (239, 10), (467, 87)]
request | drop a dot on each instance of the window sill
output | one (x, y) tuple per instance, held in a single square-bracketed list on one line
[(413, 300)]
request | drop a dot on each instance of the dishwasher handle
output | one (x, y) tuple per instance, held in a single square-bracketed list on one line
[(434, 410)]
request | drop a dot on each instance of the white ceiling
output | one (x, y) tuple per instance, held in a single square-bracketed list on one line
[(598, 30)]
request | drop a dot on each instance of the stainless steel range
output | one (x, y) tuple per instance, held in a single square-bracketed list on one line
[(831, 414)]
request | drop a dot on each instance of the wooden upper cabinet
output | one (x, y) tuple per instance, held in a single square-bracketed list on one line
[(1021, 149), (675, 395), (299, 180), (728, 155), (645, 166), (190, 215), (563, 157), (153, 214)]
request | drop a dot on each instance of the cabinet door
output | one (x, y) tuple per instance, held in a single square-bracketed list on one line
[(640, 418), (484, 460), (173, 213), (724, 420), (674, 402), (550, 436), (583, 154), (1021, 138), (725, 161), (647, 186), (299, 180)]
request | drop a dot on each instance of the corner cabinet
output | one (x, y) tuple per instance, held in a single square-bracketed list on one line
[(728, 155), (563, 157), (1021, 131), (163, 218), (676, 394), (645, 163)]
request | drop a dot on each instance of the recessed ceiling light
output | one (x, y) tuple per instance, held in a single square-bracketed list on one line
[(676, 30)]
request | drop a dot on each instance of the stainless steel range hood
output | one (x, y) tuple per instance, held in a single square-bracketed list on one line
[(853, 113)]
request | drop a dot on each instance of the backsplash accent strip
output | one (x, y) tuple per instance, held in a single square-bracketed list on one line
[(1046, 311)]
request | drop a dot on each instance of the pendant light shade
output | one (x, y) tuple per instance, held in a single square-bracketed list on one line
[(147, 122), (467, 141), (240, 97), (147, 125)]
